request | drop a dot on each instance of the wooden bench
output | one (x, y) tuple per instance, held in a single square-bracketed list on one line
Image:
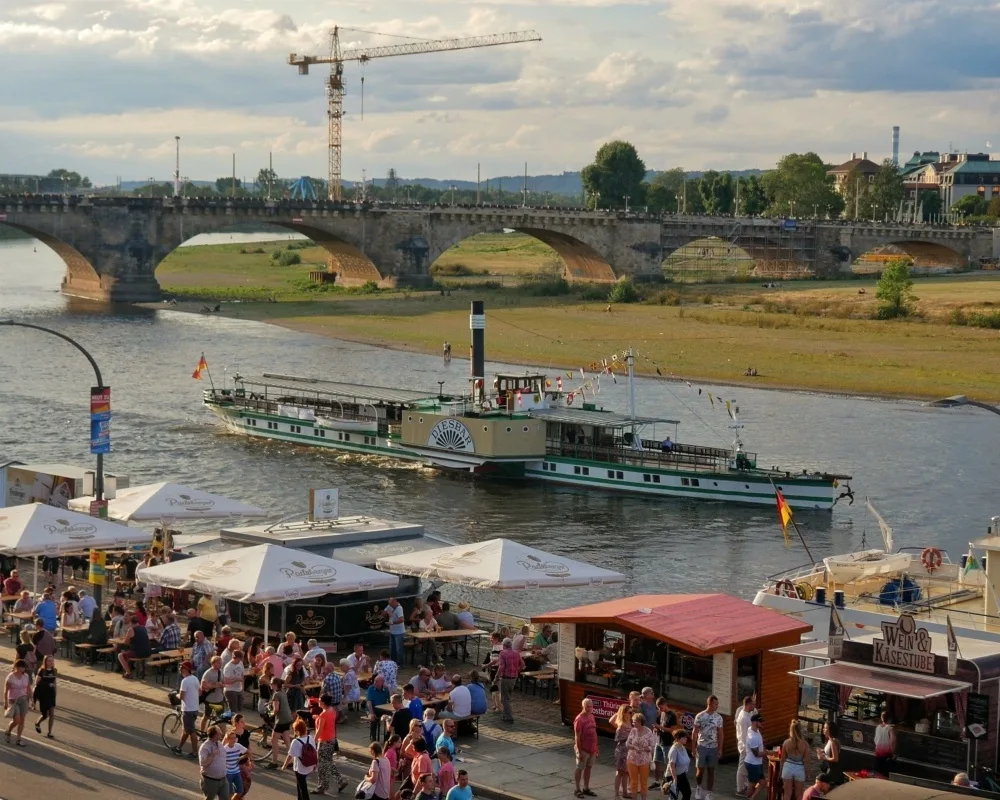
[(138, 666), (470, 722), (548, 676), (13, 629), (160, 664), (85, 651), (109, 652)]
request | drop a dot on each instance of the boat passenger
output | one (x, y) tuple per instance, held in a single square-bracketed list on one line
[(667, 446)]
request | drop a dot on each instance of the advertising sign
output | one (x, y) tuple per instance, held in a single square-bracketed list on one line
[(99, 508), (606, 707), (722, 681), (904, 646), (98, 561), (835, 638), (324, 504), (977, 715), (100, 419), (27, 486)]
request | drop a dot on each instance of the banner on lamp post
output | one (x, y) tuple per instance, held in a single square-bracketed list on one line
[(100, 420), (98, 563)]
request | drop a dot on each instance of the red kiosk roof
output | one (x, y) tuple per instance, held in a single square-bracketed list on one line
[(699, 623)]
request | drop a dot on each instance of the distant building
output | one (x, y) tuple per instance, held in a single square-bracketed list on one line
[(962, 174), (868, 170), (922, 172)]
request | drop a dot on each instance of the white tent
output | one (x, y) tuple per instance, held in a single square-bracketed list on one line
[(266, 573), (498, 564), (170, 501), (41, 530)]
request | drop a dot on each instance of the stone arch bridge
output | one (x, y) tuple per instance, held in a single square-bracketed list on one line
[(112, 246)]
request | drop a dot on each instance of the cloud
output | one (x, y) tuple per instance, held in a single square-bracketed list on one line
[(103, 87)]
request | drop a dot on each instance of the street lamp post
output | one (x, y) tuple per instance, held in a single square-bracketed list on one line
[(99, 475)]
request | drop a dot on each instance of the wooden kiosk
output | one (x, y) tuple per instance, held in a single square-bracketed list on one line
[(686, 647)]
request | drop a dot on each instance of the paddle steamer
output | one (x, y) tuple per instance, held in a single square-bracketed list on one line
[(520, 426)]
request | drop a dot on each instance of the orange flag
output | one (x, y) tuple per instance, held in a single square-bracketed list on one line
[(202, 365), (784, 513)]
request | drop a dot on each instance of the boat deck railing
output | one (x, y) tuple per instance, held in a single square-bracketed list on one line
[(620, 454)]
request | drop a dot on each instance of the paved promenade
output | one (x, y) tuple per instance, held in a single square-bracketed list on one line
[(533, 758)]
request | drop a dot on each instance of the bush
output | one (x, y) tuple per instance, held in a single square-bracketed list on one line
[(299, 244), (257, 250), (958, 317), (665, 297), (706, 299), (368, 287), (455, 270), (895, 291), (286, 258), (985, 319), (624, 291), (594, 291)]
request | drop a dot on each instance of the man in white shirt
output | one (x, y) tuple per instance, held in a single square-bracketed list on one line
[(314, 650), (358, 660), (87, 605), (742, 722), (754, 757), (459, 700), (189, 691)]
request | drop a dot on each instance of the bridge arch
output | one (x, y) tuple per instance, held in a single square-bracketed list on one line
[(581, 261), (921, 255), (352, 267), (81, 278), (694, 258)]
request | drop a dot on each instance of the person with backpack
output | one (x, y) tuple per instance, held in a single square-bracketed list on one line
[(302, 757)]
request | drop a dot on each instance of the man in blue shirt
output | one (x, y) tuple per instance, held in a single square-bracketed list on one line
[(397, 629), (412, 702), (461, 790), (478, 693), (377, 695), (47, 612)]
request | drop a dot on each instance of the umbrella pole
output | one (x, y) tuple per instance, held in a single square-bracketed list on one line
[(34, 589), (267, 609)]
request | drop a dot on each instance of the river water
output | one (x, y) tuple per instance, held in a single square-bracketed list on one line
[(932, 473)]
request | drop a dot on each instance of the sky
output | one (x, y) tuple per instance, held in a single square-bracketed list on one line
[(103, 86)]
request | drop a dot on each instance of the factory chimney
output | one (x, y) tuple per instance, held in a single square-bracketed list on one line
[(895, 145)]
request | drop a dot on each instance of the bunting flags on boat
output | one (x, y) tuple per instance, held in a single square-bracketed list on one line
[(202, 366)]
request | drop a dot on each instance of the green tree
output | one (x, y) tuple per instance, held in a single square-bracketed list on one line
[(225, 185), (665, 190), (857, 195), (894, 291), (972, 205), (717, 191), (753, 198), (930, 201), (993, 210), (800, 185), (691, 199), (60, 180), (617, 173), (267, 183), (887, 191)]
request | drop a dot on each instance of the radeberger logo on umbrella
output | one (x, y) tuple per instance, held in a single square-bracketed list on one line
[(80, 531), (552, 569), (314, 574), (188, 503), (470, 558), (382, 550), (211, 569)]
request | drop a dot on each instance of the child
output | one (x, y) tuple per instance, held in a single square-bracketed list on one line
[(234, 752)]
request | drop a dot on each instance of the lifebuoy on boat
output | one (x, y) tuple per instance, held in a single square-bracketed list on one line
[(786, 589), (931, 558)]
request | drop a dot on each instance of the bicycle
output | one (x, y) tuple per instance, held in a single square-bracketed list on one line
[(986, 780), (172, 727)]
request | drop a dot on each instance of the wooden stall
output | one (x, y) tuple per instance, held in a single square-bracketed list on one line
[(686, 647), (945, 715)]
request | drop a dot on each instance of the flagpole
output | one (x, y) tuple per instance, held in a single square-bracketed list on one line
[(794, 525), (209, 371)]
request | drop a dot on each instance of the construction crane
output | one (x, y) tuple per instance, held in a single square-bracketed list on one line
[(335, 83)]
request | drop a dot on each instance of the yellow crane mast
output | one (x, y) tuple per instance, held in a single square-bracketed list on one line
[(335, 83)]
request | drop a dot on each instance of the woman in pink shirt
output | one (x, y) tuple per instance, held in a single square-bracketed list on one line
[(446, 772), (15, 699)]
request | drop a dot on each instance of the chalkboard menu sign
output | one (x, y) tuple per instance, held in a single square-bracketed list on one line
[(829, 696), (977, 715), (946, 754)]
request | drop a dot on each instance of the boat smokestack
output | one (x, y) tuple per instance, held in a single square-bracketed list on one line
[(477, 324)]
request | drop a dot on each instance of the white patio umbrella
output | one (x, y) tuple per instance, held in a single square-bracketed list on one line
[(266, 573), (39, 530), (499, 564), (170, 501)]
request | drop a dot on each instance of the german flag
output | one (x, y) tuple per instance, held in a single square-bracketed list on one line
[(202, 365), (784, 513)]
